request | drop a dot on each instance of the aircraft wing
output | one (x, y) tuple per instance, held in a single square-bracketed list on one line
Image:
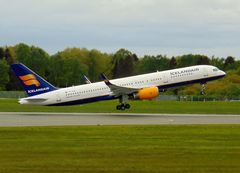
[(118, 90), (87, 81)]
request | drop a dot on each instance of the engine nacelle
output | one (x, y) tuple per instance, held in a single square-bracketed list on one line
[(147, 93)]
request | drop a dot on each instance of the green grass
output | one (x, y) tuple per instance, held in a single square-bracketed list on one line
[(140, 149), (8, 105)]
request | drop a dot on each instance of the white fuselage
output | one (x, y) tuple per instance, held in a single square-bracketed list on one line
[(100, 91)]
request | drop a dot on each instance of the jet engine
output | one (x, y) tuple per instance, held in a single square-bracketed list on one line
[(146, 93)]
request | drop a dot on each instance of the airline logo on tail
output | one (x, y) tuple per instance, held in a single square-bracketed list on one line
[(29, 80)]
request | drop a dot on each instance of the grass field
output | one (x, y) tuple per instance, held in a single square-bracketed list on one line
[(11, 105), (140, 149)]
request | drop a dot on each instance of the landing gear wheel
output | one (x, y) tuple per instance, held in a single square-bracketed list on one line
[(127, 106), (118, 107), (122, 107)]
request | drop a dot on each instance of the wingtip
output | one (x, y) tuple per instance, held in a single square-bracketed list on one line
[(103, 76), (105, 79)]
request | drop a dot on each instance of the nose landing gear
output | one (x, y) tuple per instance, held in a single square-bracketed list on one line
[(203, 89)]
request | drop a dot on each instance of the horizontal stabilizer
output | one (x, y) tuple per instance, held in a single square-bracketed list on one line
[(30, 100), (35, 99)]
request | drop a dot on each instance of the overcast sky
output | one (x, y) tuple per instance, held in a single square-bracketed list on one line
[(171, 27)]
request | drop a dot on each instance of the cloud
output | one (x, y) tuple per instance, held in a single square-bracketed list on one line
[(164, 25)]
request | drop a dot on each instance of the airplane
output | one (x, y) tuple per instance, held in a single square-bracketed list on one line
[(140, 87)]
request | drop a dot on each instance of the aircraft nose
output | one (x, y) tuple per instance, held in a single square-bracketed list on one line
[(223, 73)]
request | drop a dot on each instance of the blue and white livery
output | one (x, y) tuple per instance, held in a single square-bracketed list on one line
[(140, 87)]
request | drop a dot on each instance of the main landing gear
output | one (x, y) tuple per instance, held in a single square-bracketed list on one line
[(123, 103), (123, 106)]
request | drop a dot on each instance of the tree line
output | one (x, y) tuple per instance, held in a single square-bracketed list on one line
[(67, 67)]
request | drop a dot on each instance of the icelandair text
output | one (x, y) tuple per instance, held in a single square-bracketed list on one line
[(38, 90)]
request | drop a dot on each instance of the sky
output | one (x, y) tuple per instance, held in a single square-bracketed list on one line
[(152, 27)]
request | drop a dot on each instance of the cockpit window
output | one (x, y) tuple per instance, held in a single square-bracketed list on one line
[(215, 69)]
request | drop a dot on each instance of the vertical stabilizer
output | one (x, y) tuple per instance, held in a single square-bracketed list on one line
[(31, 82)]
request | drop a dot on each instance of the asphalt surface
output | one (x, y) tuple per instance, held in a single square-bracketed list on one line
[(10, 119)]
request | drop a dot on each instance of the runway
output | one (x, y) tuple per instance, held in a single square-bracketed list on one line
[(11, 119)]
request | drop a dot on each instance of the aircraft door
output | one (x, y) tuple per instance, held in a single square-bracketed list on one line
[(165, 78), (58, 98), (205, 72)]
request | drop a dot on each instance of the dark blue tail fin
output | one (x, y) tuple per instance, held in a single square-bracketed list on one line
[(32, 83)]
